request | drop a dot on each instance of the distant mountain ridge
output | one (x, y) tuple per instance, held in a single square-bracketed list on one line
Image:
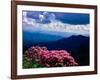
[(40, 37), (65, 43), (45, 36)]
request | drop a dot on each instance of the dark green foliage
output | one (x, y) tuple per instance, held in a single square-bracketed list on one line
[(27, 63)]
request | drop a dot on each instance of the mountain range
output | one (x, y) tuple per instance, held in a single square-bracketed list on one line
[(76, 45)]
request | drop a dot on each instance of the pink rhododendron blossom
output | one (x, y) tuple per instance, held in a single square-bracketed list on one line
[(53, 58)]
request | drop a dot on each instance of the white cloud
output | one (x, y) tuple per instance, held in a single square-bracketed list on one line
[(45, 13), (41, 17), (28, 20), (52, 17), (57, 26), (24, 14)]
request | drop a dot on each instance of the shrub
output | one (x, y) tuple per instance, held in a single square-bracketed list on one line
[(53, 58)]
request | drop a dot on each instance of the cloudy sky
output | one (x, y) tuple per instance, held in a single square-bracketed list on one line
[(56, 22)]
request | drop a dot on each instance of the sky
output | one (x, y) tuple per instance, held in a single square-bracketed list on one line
[(71, 18), (76, 23)]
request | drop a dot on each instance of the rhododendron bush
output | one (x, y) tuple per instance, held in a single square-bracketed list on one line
[(42, 57)]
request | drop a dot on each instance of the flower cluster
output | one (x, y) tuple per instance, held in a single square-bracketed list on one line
[(53, 58)]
